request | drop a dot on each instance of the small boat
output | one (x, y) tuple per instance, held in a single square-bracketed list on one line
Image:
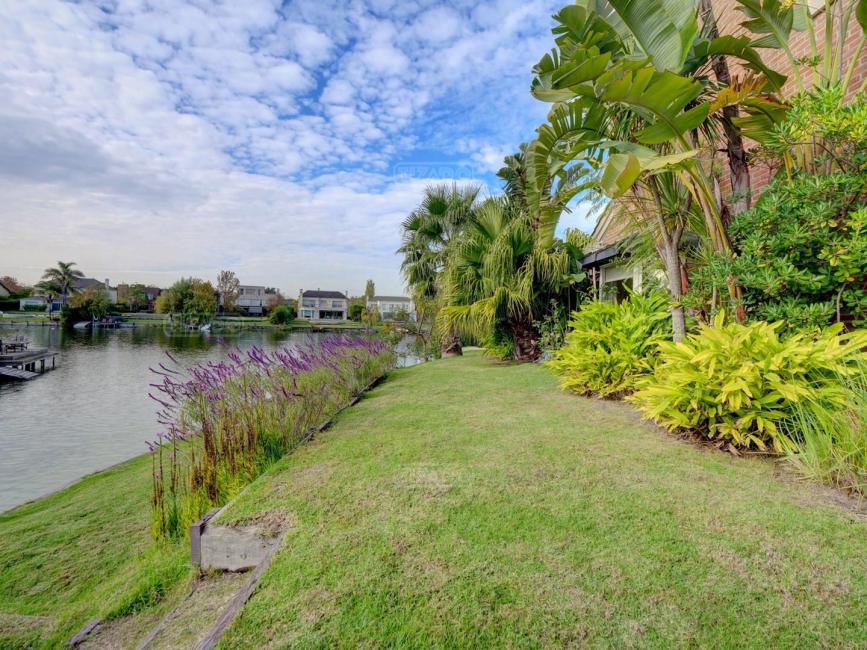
[(83, 325), (205, 328)]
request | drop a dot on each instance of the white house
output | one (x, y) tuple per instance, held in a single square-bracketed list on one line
[(388, 306), (32, 303), (322, 306), (611, 273), (251, 299)]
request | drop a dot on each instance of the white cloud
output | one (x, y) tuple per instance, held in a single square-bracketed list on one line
[(149, 140)]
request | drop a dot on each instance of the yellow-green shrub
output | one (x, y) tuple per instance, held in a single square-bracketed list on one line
[(611, 346), (735, 381)]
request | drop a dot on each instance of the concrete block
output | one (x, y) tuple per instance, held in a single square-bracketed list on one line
[(231, 548)]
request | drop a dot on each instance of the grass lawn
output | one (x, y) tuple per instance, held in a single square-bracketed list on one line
[(84, 553), (465, 503)]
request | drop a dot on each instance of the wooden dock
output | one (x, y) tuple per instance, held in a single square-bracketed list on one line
[(26, 364), (17, 373)]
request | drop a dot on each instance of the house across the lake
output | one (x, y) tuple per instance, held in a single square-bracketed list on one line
[(251, 299), (323, 306), (81, 284), (149, 294), (391, 306)]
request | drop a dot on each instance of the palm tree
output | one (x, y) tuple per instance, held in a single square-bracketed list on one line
[(428, 234), (61, 279), (500, 277)]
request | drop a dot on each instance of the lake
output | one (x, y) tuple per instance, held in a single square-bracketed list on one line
[(93, 411)]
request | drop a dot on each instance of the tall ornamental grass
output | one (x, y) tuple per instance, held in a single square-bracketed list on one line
[(832, 440), (225, 423)]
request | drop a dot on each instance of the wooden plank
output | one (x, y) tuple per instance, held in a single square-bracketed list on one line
[(16, 373)]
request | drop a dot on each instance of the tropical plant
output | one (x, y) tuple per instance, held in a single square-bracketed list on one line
[(632, 96), (500, 278), (610, 346), (61, 279), (735, 382), (428, 233), (774, 22)]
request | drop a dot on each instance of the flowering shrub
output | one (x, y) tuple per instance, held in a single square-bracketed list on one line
[(226, 423), (611, 346), (736, 381)]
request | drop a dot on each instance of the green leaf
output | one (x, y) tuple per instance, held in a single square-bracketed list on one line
[(621, 171), (741, 48), (665, 131), (665, 29), (771, 19), (661, 96)]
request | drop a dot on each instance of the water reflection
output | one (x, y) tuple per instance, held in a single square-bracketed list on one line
[(93, 410)]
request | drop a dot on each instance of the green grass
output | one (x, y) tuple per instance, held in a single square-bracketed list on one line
[(466, 503), (84, 553)]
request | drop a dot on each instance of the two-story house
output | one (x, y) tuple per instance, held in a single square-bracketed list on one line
[(251, 299), (389, 306), (319, 306), (82, 284)]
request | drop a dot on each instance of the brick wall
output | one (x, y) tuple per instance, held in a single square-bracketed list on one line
[(728, 21)]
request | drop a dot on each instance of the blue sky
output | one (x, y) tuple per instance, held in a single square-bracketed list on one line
[(286, 141)]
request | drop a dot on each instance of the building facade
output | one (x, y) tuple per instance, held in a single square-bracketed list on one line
[(389, 306), (323, 306), (251, 299)]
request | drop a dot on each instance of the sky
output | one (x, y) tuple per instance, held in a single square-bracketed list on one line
[(147, 140)]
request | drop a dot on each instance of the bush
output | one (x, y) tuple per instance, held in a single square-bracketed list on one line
[(282, 315), (803, 250), (735, 382), (611, 346)]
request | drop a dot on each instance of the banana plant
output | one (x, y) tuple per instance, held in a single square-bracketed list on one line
[(597, 75), (773, 22)]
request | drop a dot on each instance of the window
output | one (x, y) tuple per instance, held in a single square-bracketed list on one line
[(306, 313), (308, 302), (337, 304)]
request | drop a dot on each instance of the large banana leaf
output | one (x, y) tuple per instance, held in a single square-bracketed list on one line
[(861, 14), (660, 96), (773, 20), (558, 81), (623, 168), (570, 126), (739, 47), (762, 115), (665, 29)]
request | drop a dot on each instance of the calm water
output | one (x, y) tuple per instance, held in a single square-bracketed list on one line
[(93, 410)]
